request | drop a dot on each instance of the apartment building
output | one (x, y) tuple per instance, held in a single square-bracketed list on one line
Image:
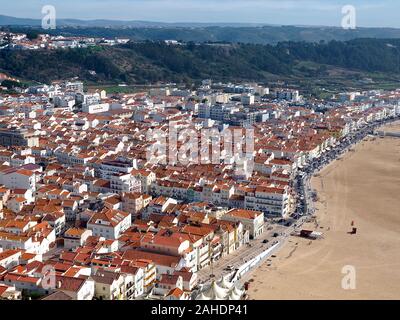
[(10, 137), (109, 223), (272, 201), (253, 221), (76, 237)]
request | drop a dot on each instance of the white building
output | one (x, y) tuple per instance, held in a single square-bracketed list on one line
[(253, 221), (247, 99), (288, 95), (109, 224), (95, 108), (270, 200), (74, 237), (18, 179), (76, 288)]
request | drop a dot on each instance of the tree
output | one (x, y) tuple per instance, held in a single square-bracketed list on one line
[(10, 84), (32, 35)]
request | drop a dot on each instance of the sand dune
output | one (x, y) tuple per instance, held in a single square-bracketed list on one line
[(364, 187)]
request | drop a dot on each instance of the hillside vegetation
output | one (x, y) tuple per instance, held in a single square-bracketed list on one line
[(150, 62)]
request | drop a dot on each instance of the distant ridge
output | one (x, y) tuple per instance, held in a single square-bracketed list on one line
[(199, 32), (13, 21)]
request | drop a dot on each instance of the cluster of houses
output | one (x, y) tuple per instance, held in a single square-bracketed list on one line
[(85, 214), (21, 41)]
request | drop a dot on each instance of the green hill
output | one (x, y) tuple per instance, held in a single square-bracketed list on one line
[(149, 62)]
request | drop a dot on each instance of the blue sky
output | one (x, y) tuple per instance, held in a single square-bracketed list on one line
[(374, 13)]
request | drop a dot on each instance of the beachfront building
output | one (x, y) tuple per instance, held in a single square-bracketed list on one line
[(253, 221), (273, 201)]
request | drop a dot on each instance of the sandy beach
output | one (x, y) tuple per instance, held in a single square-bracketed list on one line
[(363, 186)]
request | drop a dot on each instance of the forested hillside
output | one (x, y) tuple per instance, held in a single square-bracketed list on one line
[(148, 62)]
